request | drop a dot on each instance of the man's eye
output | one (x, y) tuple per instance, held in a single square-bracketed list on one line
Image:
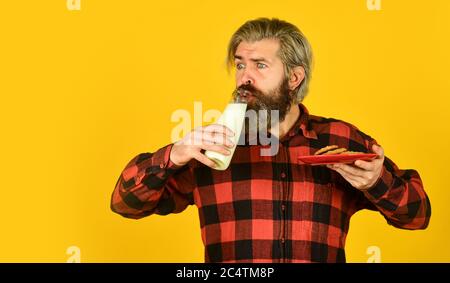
[(261, 66), (240, 66)]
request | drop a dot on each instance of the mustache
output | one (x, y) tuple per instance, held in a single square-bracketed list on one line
[(250, 88)]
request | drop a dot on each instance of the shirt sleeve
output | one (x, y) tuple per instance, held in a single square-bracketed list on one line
[(152, 184), (399, 195)]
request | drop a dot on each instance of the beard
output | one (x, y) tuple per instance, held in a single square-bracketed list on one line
[(278, 100)]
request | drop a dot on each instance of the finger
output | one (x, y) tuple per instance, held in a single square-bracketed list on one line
[(351, 169), (216, 148), (209, 140), (366, 165), (205, 160), (198, 137), (218, 138), (340, 171), (378, 150), (219, 129), (355, 181)]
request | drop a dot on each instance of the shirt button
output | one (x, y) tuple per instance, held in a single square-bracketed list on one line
[(283, 207), (161, 165), (282, 240), (283, 175), (140, 176)]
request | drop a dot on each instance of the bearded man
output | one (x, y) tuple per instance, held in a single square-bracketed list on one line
[(272, 208)]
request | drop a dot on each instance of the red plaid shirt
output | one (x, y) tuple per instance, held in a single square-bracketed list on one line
[(271, 208)]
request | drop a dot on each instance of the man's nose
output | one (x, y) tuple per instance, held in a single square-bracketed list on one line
[(248, 82), (246, 78)]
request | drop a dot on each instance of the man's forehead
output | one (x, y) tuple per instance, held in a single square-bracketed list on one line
[(265, 48)]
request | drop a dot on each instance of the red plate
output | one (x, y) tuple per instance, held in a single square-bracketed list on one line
[(335, 158)]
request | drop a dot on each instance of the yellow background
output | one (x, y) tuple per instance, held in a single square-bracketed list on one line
[(82, 92)]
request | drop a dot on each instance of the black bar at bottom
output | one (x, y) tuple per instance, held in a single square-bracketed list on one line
[(148, 272)]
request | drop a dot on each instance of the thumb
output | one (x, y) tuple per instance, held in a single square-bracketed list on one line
[(378, 150)]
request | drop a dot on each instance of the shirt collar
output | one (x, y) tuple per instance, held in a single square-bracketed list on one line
[(302, 124)]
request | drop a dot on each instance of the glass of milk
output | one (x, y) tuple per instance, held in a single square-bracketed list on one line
[(232, 117)]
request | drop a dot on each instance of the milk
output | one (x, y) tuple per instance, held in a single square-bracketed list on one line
[(233, 117)]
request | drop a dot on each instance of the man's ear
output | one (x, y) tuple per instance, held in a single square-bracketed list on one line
[(296, 77)]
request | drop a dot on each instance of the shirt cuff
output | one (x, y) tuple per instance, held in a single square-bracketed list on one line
[(161, 158), (381, 186)]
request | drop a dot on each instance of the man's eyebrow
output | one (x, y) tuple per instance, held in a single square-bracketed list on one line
[(260, 59)]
